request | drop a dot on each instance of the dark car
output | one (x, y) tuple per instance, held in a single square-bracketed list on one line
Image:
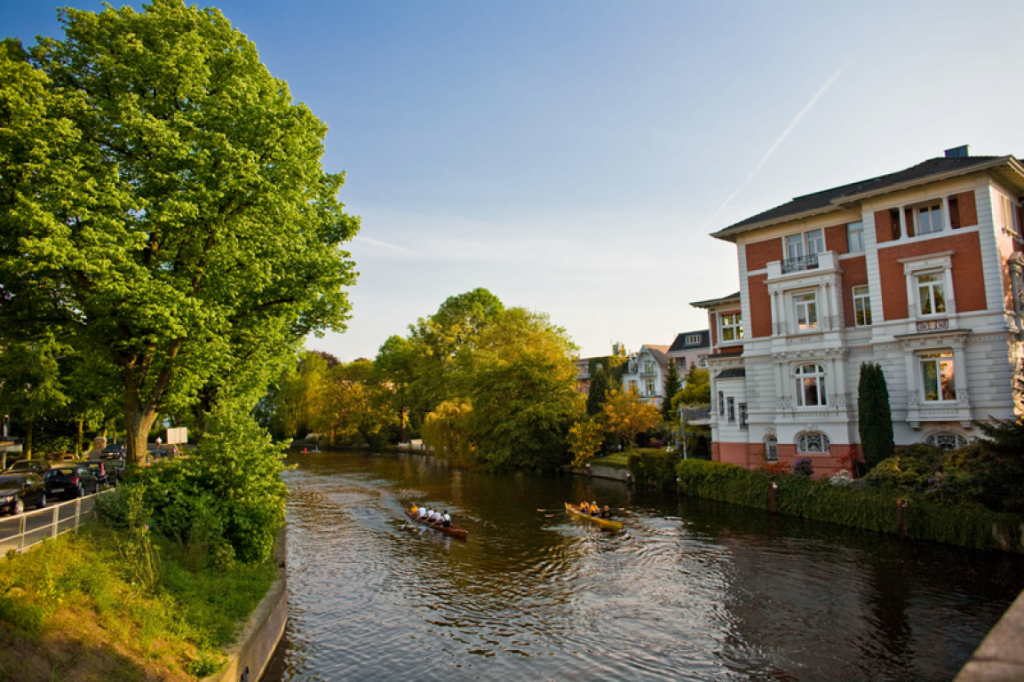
[(17, 491), (115, 470), (70, 480), (22, 466), (99, 470), (114, 451)]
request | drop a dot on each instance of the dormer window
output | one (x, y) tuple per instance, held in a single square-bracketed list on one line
[(692, 339)]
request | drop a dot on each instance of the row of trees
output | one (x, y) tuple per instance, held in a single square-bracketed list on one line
[(168, 236)]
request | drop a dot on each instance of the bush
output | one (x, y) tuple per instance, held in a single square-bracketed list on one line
[(228, 495), (860, 506), (803, 467), (653, 466)]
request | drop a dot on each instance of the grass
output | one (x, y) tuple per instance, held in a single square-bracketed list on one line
[(617, 460), (73, 608)]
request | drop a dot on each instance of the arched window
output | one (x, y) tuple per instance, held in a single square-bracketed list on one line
[(810, 385), (771, 449), (946, 441), (812, 443)]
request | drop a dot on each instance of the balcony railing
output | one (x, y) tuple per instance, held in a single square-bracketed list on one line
[(694, 414), (808, 262)]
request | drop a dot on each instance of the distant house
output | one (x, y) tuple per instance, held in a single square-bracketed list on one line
[(584, 376), (689, 350), (646, 372)]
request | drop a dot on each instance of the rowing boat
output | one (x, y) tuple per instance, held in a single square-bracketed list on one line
[(454, 531), (607, 523)]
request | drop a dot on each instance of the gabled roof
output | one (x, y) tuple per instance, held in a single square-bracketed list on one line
[(831, 199), (712, 302), (659, 353), (680, 343)]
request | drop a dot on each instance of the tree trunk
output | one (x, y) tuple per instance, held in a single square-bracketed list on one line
[(138, 420), (78, 439), (28, 440)]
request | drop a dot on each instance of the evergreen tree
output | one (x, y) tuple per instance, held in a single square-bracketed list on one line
[(672, 386), (876, 436), (603, 381)]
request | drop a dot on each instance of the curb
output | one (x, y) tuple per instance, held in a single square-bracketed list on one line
[(999, 657), (250, 655)]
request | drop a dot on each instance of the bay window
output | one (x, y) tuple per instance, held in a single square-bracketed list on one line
[(810, 386), (806, 305), (937, 377)]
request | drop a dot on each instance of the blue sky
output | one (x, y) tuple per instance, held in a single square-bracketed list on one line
[(572, 157)]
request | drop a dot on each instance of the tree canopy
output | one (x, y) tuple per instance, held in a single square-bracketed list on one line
[(163, 206)]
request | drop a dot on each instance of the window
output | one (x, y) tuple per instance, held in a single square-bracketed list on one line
[(702, 361), (732, 327), (931, 293), (812, 443), (937, 376), (806, 244), (692, 339), (855, 237), (946, 441), (721, 404), (861, 306), (648, 366), (928, 219), (894, 222), (681, 363), (650, 387), (632, 385), (730, 406), (743, 415), (771, 449), (810, 386), (1006, 214), (806, 311)]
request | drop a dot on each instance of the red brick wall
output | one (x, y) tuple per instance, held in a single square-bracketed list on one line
[(715, 457), (760, 306), (855, 274), (835, 239), (968, 284), (968, 209), (714, 329), (883, 226), (759, 254)]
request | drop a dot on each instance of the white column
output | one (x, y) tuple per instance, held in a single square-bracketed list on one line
[(903, 222)]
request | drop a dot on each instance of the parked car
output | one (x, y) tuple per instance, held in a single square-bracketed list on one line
[(99, 470), (38, 466), (115, 470), (114, 451), (70, 480), (20, 490)]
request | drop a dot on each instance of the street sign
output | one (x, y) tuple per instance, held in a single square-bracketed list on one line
[(178, 436)]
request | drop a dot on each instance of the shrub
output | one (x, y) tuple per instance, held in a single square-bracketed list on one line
[(803, 467), (776, 469), (653, 466)]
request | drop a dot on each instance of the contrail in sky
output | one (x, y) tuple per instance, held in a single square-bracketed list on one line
[(775, 145), (384, 244)]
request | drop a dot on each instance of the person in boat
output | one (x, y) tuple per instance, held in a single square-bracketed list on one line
[(606, 513), (433, 516), (423, 513), (414, 509), (594, 509), (446, 519)]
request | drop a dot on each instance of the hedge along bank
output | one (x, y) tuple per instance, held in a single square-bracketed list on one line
[(967, 525)]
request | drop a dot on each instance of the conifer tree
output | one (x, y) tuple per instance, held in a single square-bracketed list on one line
[(672, 386), (876, 435)]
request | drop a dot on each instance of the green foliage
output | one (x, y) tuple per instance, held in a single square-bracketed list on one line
[(672, 387), (601, 382), (446, 431), (165, 210), (909, 469), (697, 390), (585, 439), (874, 415), (230, 488), (860, 506), (627, 415), (654, 467)]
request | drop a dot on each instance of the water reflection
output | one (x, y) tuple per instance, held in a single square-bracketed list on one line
[(689, 590)]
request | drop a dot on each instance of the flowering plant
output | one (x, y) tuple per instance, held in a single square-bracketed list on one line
[(803, 467)]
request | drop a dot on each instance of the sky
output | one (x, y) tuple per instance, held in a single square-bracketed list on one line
[(572, 157)]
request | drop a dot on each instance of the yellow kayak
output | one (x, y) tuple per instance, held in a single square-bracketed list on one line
[(607, 523)]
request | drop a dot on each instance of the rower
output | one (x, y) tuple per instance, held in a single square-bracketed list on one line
[(594, 509), (423, 513), (414, 508), (446, 520), (607, 513)]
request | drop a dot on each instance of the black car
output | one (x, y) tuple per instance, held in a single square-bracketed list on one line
[(20, 490), (115, 470), (114, 451), (22, 466), (99, 470), (70, 480)]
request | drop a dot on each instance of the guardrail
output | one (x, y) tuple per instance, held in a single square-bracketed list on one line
[(34, 527)]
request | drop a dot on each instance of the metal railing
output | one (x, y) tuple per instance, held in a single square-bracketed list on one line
[(34, 527), (693, 414), (808, 262)]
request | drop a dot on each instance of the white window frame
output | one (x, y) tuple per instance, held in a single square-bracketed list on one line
[(648, 366), (691, 339), (855, 228), (861, 304), (815, 373), (702, 361), (936, 284), (734, 324), (936, 360), (1005, 213), (771, 449), (936, 213), (651, 388), (813, 443), (933, 264), (803, 243), (743, 415), (730, 409), (947, 440), (808, 302), (721, 403)]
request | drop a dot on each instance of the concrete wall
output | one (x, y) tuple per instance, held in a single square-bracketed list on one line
[(249, 656), (1000, 657)]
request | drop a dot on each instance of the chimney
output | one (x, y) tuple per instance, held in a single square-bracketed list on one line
[(958, 152)]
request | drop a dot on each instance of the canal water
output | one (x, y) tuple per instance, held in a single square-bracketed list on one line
[(689, 590)]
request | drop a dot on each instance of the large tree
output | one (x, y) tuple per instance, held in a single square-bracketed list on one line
[(163, 205), (627, 415)]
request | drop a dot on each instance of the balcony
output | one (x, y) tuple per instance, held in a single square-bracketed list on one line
[(808, 262), (696, 415)]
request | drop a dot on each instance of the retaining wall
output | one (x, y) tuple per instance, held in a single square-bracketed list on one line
[(1000, 657)]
